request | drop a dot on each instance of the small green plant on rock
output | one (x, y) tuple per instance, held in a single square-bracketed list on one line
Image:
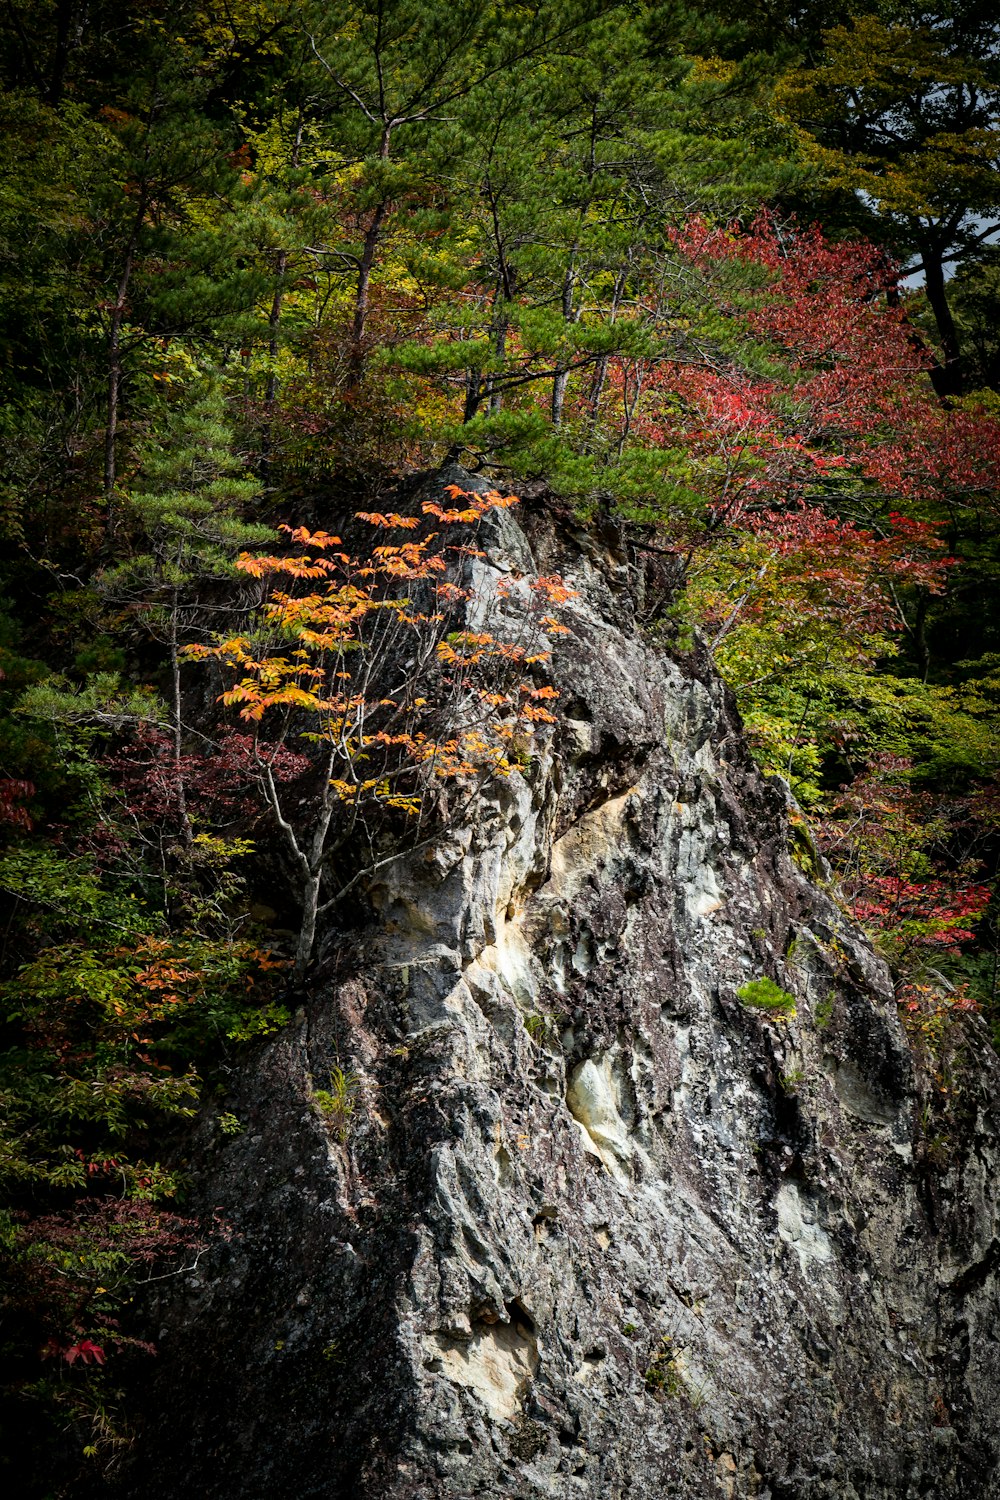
[(802, 847), (337, 1103), (797, 950), (764, 994), (543, 1029), (663, 1376), (823, 1012)]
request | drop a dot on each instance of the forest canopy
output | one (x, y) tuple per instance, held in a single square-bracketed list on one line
[(721, 282)]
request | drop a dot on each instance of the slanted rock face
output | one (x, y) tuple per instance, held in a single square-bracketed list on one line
[(595, 1228)]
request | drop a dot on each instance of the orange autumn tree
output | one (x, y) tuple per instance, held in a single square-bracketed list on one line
[(411, 672)]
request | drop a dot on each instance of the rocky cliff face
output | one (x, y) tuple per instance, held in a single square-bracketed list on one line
[(595, 1228)]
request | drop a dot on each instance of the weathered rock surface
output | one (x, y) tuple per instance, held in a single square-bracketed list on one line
[(594, 1228)]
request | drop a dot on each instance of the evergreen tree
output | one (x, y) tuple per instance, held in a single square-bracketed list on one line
[(187, 508), (903, 104)]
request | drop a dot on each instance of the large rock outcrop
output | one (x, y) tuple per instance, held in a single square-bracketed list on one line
[(589, 1226)]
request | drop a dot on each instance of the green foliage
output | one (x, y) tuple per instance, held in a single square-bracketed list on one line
[(186, 510), (662, 1376), (337, 1103), (901, 104), (113, 1014), (102, 700), (823, 1010), (974, 296), (60, 895), (763, 994), (104, 1039), (543, 1029)]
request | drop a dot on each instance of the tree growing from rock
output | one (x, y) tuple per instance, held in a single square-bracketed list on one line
[(411, 670)]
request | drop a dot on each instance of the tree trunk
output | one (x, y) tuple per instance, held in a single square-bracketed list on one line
[(175, 673), (500, 355), (273, 324), (313, 868), (361, 296), (307, 928), (559, 383), (498, 337), (115, 365), (271, 389), (114, 391), (473, 395), (947, 377), (561, 378), (274, 318), (60, 58), (919, 635), (629, 407), (601, 368)]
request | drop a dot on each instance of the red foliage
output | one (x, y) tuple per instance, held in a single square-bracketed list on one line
[(847, 396), (218, 784), (86, 1351), (12, 794), (66, 1270), (902, 861), (938, 912), (850, 566)]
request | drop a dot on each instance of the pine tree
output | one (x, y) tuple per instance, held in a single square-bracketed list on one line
[(188, 509), (902, 104)]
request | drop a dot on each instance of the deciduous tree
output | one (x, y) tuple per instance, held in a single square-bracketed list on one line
[(409, 668)]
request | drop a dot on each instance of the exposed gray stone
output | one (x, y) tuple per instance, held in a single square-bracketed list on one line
[(597, 1229)]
